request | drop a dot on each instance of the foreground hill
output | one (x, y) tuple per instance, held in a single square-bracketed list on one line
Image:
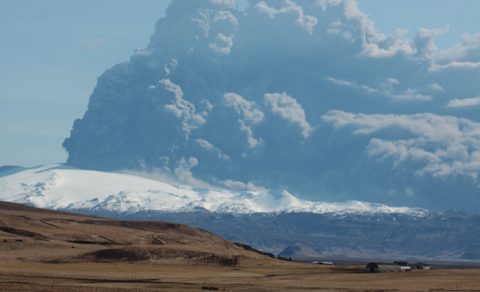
[(37, 235), (43, 250)]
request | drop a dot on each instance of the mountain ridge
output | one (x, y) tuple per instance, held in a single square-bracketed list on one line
[(263, 220), (65, 187)]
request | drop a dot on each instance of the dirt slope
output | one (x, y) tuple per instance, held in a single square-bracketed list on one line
[(30, 234)]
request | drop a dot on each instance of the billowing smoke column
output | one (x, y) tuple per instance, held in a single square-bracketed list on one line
[(298, 94)]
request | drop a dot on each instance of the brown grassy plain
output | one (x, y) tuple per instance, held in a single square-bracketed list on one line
[(50, 251)]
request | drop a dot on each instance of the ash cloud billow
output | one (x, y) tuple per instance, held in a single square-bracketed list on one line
[(293, 94)]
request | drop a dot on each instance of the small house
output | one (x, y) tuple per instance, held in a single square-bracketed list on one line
[(404, 266), (422, 266)]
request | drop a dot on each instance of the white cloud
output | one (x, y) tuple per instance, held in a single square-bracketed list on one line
[(455, 65), (467, 50), (223, 41), (355, 27), (182, 109), (324, 4), (436, 87), (251, 140), (171, 66), (183, 171), (228, 4), (347, 83), (209, 147), (462, 103), (463, 56), (227, 18), (223, 44), (424, 41), (205, 107), (307, 22), (388, 89), (393, 81), (409, 94), (248, 110), (249, 113), (289, 109), (426, 144), (241, 186)]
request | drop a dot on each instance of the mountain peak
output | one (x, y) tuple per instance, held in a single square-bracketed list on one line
[(300, 252)]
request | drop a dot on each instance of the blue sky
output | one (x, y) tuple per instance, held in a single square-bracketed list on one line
[(53, 51)]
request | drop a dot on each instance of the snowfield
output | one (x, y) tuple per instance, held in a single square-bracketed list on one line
[(64, 187)]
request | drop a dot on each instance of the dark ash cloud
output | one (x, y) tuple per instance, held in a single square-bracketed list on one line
[(297, 94)]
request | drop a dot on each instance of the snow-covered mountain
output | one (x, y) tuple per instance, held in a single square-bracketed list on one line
[(64, 187), (266, 220)]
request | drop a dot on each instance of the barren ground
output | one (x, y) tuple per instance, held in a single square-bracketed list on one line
[(49, 251)]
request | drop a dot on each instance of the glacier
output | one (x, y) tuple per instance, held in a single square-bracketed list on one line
[(62, 187)]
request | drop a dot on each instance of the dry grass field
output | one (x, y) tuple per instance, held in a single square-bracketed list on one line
[(42, 250)]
